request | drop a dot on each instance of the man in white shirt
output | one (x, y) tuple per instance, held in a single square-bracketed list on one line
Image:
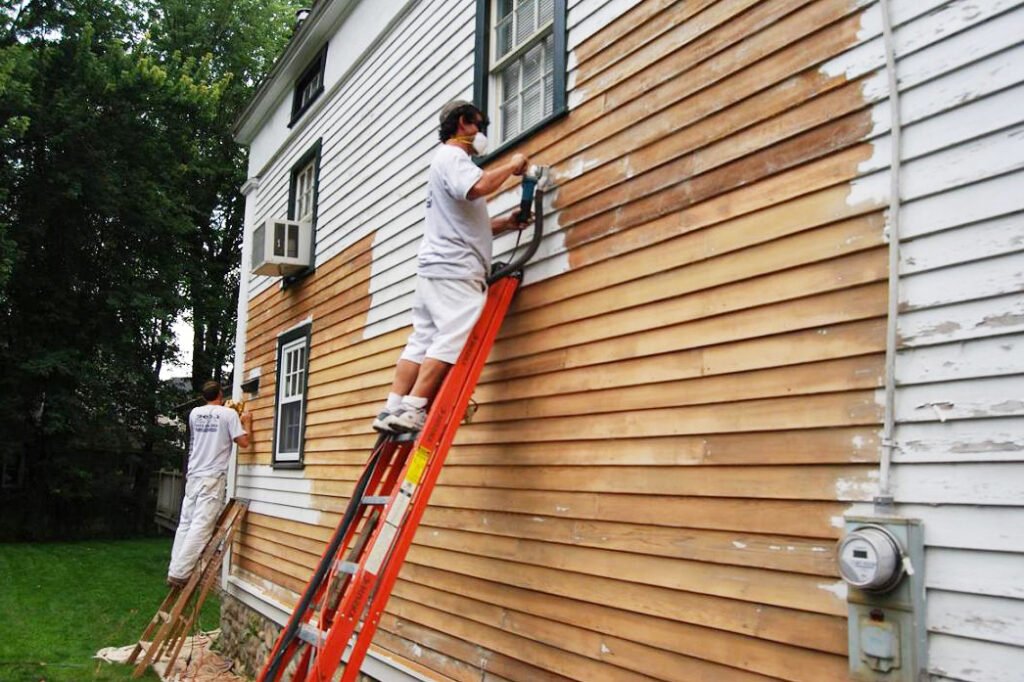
[(454, 261), (214, 428)]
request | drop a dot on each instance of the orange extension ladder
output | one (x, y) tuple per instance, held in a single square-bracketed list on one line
[(348, 591)]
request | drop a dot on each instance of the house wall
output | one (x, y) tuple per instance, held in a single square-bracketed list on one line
[(959, 410), (686, 396)]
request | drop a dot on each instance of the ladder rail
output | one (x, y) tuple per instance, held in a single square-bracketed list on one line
[(393, 564), (395, 469), (288, 640), (444, 418)]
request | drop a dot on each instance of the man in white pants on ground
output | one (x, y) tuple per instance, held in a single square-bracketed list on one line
[(454, 261), (214, 428)]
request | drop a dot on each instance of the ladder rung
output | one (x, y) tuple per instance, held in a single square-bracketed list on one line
[(347, 567), (376, 499), (310, 634)]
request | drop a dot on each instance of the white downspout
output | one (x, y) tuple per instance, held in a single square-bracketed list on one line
[(242, 316), (884, 499)]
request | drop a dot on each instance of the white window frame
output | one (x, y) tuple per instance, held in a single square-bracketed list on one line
[(303, 197), (497, 65), (292, 385), (305, 182), (487, 68)]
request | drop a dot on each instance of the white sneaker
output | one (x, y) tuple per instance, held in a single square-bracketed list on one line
[(380, 423), (407, 419)]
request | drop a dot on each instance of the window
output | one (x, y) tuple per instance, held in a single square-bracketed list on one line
[(309, 86), (305, 181), (303, 194), (520, 64), (290, 413)]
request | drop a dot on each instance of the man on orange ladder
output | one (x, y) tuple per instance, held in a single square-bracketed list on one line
[(214, 428), (454, 261)]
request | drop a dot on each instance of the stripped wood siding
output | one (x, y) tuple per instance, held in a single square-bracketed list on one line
[(959, 462), (684, 400)]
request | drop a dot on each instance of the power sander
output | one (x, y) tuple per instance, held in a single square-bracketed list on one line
[(534, 176)]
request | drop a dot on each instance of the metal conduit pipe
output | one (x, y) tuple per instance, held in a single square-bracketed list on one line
[(884, 499)]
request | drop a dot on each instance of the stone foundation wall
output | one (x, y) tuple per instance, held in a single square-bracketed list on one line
[(247, 638)]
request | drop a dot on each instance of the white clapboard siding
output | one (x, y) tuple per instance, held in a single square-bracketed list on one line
[(959, 460), (997, 574), (994, 316), (989, 440), (964, 659)]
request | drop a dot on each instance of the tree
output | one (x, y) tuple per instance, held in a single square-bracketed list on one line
[(240, 39), (118, 213)]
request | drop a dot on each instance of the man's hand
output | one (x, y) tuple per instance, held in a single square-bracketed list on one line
[(492, 179), (517, 221), (245, 440), (512, 221), (522, 162)]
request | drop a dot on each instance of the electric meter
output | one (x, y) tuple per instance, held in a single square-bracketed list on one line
[(870, 558)]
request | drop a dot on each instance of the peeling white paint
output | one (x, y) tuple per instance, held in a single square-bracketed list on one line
[(869, 191), (739, 545), (862, 487), (837, 588), (855, 509)]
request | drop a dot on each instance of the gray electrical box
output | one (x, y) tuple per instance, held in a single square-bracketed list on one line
[(882, 560)]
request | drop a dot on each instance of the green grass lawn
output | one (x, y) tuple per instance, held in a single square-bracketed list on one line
[(60, 603)]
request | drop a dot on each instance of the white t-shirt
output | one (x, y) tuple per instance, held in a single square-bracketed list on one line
[(214, 428), (457, 235)]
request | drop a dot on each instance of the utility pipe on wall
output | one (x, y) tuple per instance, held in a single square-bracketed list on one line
[(884, 499)]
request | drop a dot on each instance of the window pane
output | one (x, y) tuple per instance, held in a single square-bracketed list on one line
[(526, 20), (288, 437), (533, 104), (509, 119), (510, 82), (532, 65), (503, 37), (545, 12)]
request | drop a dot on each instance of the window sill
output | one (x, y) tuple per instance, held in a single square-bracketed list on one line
[(521, 137), (288, 465)]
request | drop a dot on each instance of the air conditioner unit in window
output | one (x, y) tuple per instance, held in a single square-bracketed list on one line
[(281, 247)]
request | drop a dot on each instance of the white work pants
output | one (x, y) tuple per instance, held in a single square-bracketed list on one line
[(204, 499)]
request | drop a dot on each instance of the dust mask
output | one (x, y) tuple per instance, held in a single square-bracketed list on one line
[(480, 143)]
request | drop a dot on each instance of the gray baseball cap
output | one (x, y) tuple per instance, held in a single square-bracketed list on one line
[(447, 109)]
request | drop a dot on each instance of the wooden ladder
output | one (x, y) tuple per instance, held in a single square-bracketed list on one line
[(175, 617)]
